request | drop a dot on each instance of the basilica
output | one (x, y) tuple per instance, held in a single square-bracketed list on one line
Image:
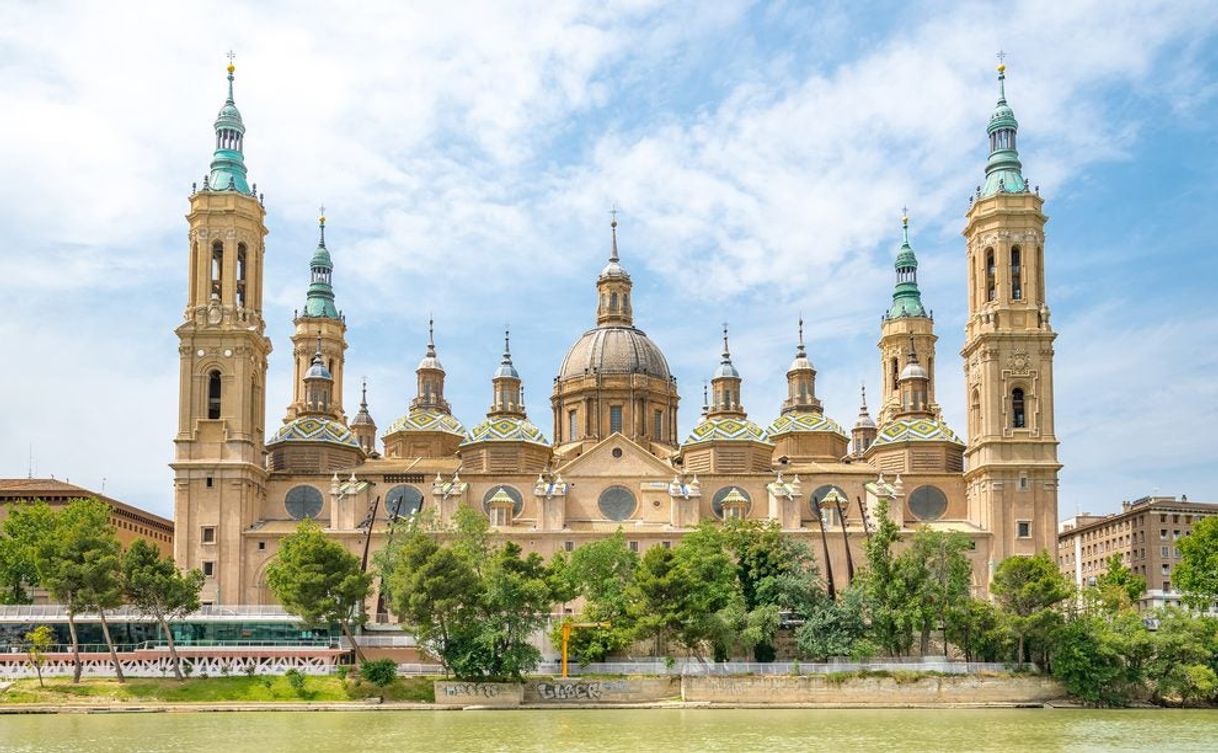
[(611, 458)]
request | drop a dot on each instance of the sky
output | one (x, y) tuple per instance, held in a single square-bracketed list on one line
[(468, 154)]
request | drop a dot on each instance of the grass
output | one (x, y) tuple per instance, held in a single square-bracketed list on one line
[(61, 691)]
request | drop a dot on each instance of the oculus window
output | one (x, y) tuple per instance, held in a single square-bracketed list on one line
[(616, 503), (717, 500), (403, 501), (303, 502), (928, 503), (511, 491)]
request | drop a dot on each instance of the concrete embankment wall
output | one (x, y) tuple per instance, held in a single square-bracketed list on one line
[(756, 690)]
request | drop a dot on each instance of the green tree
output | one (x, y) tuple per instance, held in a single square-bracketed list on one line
[(977, 628), (679, 594), (1118, 588), (1101, 660), (515, 602), (434, 592), (601, 572), (156, 588), (889, 588), (775, 574), (836, 628), (79, 564), (1028, 589), (1185, 663), (27, 526), (319, 581), (1196, 575), (936, 574), (37, 643)]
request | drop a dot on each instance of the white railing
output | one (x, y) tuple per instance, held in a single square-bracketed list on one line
[(381, 641), (693, 667)]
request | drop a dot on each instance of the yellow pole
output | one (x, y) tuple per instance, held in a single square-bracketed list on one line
[(566, 640)]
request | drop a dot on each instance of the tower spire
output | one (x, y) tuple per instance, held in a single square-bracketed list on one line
[(228, 162), (431, 337), (906, 298), (727, 353), (613, 231), (319, 301), (1003, 170), (800, 351)]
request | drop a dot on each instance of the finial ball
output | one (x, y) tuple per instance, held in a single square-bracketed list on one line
[(231, 67), (1002, 67)]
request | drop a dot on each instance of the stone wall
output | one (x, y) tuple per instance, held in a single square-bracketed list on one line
[(870, 690), (478, 693), (620, 690)]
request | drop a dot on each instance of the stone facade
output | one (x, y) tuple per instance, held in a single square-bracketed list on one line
[(614, 459)]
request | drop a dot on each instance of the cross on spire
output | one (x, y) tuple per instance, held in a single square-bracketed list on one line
[(1002, 57), (231, 56)]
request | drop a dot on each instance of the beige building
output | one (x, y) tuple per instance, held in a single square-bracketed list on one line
[(129, 522), (615, 458), (1146, 534)]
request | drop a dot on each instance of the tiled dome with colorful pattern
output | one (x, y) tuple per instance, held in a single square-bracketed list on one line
[(726, 429), (314, 429), (506, 429), (427, 419), (915, 430), (795, 422)]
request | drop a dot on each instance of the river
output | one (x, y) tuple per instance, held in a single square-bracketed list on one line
[(627, 730)]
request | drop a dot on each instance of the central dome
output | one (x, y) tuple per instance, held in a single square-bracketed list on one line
[(614, 350)]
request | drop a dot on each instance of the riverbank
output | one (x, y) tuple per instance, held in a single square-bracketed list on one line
[(229, 694)]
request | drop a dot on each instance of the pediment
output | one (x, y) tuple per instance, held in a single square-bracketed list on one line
[(632, 461)]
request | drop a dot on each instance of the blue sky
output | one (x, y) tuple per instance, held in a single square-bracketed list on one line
[(468, 155)]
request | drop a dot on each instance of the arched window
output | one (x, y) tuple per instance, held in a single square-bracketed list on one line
[(241, 274), (217, 266), (1018, 415), (613, 301), (1016, 279), (975, 413), (213, 395), (895, 374), (991, 291)]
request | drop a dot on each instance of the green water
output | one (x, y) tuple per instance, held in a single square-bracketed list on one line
[(636, 731)]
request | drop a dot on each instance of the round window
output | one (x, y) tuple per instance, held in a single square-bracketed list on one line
[(822, 492), (303, 502), (928, 503), (517, 500), (403, 501), (616, 503), (717, 500)]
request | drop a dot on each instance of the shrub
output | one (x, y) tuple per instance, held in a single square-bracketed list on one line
[(379, 672), (341, 671), (296, 679)]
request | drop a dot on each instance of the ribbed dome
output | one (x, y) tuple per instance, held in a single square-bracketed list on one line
[(614, 350), (913, 370)]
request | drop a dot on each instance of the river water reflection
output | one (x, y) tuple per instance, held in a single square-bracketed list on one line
[(633, 730)]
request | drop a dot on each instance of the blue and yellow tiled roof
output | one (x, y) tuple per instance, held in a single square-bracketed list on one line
[(796, 422), (506, 429), (915, 430), (726, 429), (427, 419), (314, 429)]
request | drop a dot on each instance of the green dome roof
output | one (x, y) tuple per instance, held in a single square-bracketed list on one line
[(319, 302), (314, 429), (427, 419), (506, 429), (915, 430), (906, 298), (726, 430), (800, 422), (228, 161), (1003, 170)]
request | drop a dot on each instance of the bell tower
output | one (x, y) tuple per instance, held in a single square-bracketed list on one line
[(1008, 354), (219, 461), (319, 321)]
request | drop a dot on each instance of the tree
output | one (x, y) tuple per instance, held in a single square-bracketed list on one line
[(433, 591), (318, 580), (515, 602), (1101, 660), (37, 643), (25, 529), (775, 574), (976, 627), (1028, 589), (936, 574), (155, 587), (1185, 662), (1196, 575), (889, 588), (1118, 588), (79, 563), (679, 593), (836, 628), (601, 572)]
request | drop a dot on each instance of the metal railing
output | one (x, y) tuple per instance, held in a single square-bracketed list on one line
[(381, 641), (57, 612), (692, 667)]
